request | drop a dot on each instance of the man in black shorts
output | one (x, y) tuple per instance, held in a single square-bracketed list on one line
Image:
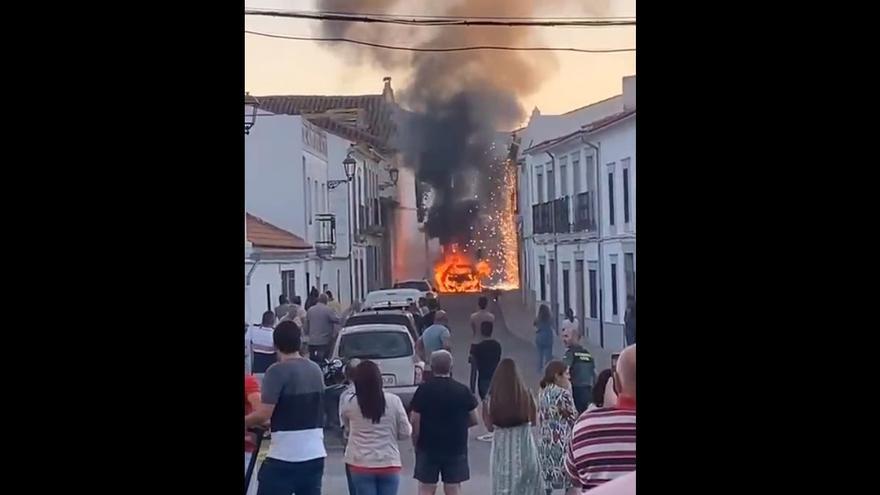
[(442, 412), (486, 355)]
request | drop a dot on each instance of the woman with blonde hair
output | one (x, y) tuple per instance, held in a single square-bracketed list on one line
[(509, 414), (557, 414)]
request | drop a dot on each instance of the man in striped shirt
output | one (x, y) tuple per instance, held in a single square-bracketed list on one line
[(603, 441)]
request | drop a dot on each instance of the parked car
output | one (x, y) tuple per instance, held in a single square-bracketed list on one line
[(392, 316), (391, 298), (392, 348), (422, 286)]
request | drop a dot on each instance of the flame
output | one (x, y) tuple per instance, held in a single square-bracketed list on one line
[(457, 273)]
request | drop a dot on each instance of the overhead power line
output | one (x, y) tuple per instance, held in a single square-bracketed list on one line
[(441, 22), (443, 49), (448, 17)]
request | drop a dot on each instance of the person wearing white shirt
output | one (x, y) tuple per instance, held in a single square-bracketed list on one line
[(260, 346)]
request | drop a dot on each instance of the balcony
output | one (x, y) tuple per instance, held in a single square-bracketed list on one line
[(584, 212), (551, 217)]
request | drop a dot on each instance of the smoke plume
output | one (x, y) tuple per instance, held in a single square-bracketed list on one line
[(455, 102)]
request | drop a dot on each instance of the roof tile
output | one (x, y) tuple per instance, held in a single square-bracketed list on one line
[(265, 235)]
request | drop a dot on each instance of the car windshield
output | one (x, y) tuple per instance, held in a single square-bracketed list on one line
[(413, 284), (375, 345)]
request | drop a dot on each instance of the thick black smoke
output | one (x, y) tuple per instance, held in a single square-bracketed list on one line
[(456, 102), (447, 141)]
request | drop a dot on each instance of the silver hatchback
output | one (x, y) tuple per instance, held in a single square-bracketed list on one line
[(392, 348)]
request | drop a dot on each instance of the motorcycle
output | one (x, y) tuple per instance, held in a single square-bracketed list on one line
[(334, 385)]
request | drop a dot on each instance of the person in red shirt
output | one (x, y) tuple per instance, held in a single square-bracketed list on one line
[(251, 401)]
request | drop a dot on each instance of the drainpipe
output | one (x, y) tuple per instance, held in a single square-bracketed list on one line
[(599, 244), (555, 252)]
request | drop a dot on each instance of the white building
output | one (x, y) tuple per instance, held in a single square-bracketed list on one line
[(273, 258), (286, 174), (295, 180), (577, 194)]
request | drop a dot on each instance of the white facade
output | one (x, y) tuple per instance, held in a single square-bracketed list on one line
[(357, 209), (286, 172), (567, 260)]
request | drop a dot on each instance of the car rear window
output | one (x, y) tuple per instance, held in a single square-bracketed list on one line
[(375, 345), (396, 319), (415, 284)]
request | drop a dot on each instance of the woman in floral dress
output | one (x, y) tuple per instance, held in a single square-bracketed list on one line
[(510, 412), (556, 414)]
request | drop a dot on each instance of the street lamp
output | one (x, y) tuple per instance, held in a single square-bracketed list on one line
[(250, 118), (348, 164)]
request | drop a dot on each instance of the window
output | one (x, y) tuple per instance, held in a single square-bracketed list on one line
[(611, 198), (551, 185), (543, 277), (594, 295), (308, 283), (357, 293), (625, 165), (629, 272), (563, 176), (413, 284), (540, 183), (288, 283), (375, 345), (614, 289), (566, 297), (361, 271), (309, 200), (576, 174)]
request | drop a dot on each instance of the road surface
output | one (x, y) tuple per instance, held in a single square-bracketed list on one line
[(459, 308)]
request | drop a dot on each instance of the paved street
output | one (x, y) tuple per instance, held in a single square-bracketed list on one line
[(459, 308)]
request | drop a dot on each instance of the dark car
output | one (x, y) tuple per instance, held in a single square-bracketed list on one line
[(395, 317)]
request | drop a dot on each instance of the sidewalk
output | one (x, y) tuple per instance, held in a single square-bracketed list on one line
[(519, 321)]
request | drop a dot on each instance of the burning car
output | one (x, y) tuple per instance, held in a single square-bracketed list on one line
[(456, 272)]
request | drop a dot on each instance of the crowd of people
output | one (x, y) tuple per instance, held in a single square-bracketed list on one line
[(576, 433)]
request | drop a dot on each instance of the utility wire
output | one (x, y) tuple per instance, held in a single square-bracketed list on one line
[(449, 49), (440, 22), (447, 17)]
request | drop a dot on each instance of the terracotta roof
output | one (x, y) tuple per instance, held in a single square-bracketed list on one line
[(373, 122), (263, 234), (587, 128)]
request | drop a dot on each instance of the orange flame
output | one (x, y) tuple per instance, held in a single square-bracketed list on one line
[(456, 273)]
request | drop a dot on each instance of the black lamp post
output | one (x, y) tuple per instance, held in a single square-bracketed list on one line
[(349, 165)]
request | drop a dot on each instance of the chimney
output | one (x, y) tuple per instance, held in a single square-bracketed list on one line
[(629, 92), (387, 92)]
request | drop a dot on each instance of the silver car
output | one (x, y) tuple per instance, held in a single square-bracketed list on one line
[(392, 348)]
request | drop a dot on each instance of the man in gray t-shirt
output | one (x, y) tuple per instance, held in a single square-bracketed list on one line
[(320, 326), (293, 398)]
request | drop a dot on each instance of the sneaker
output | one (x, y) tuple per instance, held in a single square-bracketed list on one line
[(486, 438)]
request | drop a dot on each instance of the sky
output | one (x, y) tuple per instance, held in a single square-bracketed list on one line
[(274, 66)]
